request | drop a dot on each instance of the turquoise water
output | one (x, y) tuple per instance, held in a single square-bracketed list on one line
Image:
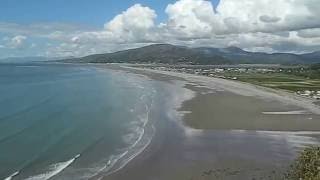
[(70, 121)]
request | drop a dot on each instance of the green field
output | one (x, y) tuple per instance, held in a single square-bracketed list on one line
[(284, 81)]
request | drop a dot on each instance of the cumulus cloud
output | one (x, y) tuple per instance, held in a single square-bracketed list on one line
[(191, 18), (269, 19), (16, 41), (309, 33), (245, 16), (257, 25), (133, 25)]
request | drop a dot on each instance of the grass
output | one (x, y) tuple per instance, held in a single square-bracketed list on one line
[(307, 166), (283, 81)]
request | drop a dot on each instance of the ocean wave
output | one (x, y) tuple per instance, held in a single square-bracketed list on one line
[(136, 137), (287, 112), (54, 169), (12, 176), (131, 157)]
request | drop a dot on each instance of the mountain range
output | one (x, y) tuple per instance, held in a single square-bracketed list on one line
[(171, 54)]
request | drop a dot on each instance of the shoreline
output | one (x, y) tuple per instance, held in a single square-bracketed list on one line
[(67, 166), (205, 128), (231, 165), (157, 131), (232, 86)]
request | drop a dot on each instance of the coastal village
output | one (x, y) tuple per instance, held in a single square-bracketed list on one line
[(232, 73), (308, 93)]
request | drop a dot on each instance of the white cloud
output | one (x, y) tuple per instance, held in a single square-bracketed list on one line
[(41, 29), (267, 25), (309, 33), (191, 18), (194, 17), (281, 14), (133, 25), (33, 45), (16, 42)]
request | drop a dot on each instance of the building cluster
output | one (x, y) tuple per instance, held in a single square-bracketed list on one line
[(229, 72), (215, 72), (207, 71), (309, 93)]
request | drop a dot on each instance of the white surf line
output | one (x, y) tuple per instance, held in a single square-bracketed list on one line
[(126, 161), (299, 139), (12, 176), (111, 164), (54, 170), (292, 132), (295, 139), (287, 112)]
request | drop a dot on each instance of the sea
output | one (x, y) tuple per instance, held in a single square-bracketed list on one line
[(69, 121)]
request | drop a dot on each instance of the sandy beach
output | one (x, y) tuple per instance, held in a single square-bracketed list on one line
[(222, 130)]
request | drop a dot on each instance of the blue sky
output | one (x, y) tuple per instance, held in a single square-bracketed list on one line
[(60, 28), (88, 12)]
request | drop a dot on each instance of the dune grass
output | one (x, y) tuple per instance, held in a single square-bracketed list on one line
[(306, 166)]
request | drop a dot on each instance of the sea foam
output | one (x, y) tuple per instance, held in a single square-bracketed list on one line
[(54, 169), (12, 175)]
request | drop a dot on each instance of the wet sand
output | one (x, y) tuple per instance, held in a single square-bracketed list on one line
[(225, 110), (225, 133)]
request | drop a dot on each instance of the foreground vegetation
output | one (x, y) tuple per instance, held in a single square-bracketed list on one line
[(307, 166)]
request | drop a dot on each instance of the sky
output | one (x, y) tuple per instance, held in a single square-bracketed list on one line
[(63, 28)]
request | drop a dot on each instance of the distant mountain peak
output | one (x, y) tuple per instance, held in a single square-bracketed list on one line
[(234, 49), (171, 54), (160, 45)]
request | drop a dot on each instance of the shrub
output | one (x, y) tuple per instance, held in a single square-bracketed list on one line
[(306, 166)]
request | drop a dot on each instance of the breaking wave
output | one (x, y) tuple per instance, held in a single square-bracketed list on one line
[(54, 169)]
